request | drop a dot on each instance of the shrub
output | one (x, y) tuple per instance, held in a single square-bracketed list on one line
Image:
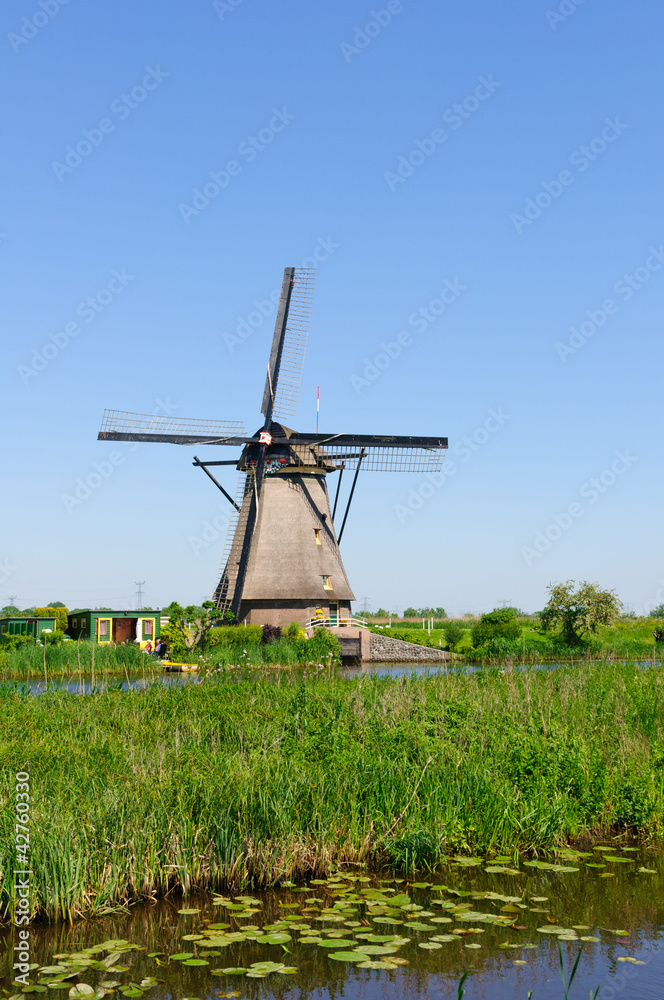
[(271, 633), (453, 633), (233, 635), (500, 623), (323, 645)]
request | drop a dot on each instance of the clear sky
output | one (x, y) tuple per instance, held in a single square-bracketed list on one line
[(483, 179)]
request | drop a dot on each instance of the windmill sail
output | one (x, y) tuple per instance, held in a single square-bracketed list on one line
[(119, 426), (289, 344), (236, 541)]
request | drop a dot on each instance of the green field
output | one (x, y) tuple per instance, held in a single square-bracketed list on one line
[(626, 640), (250, 777)]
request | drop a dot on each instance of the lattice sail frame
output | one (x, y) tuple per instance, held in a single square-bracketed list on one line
[(289, 376), (190, 428), (371, 459)]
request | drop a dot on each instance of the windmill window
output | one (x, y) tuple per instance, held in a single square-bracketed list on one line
[(74, 623), (327, 583), (317, 534), (103, 627)]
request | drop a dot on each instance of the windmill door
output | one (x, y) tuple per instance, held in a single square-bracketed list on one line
[(334, 612)]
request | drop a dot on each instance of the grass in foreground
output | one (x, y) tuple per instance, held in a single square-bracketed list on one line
[(247, 778)]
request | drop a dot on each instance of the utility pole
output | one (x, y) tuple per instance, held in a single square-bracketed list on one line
[(12, 600), (139, 593)]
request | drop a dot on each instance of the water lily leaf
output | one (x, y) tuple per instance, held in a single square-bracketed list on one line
[(216, 927), (386, 920), (187, 912), (80, 991), (589, 937), (278, 937), (591, 865), (347, 956), (647, 871), (608, 875), (195, 961), (499, 870), (472, 945), (375, 949), (444, 937), (430, 945), (132, 991), (232, 971), (441, 920), (612, 857), (192, 937), (287, 970), (333, 943), (421, 885), (182, 956), (376, 965), (50, 970)]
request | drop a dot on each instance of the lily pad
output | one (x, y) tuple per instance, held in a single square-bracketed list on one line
[(430, 945), (182, 956), (188, 912), (347, 956), (195, 961), (278, 937), (377, 965), (375, 949)]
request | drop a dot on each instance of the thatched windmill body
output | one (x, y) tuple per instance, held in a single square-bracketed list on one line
[(282, 561)]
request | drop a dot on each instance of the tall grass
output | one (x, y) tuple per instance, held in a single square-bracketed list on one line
[(97, 660), (246, 778)]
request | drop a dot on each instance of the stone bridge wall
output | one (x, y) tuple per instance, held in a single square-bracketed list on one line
[(388, 650)]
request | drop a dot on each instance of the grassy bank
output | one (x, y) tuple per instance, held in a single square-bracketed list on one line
[(626, 640), (246, 777)]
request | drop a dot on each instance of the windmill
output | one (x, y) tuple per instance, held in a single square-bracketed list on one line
[(282, 561)]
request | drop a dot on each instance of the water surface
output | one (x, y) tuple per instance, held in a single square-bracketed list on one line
[(499, 918)]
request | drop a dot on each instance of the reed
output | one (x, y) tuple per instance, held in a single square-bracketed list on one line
[(248, 778)]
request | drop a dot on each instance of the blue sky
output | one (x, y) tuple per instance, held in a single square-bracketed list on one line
[(508, 156)]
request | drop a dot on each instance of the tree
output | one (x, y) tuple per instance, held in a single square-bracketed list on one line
[(51, 611), (579, 612), (193, 623), (411, 613), (10, 611), (500, 623), (55, 604), (657, 612)]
